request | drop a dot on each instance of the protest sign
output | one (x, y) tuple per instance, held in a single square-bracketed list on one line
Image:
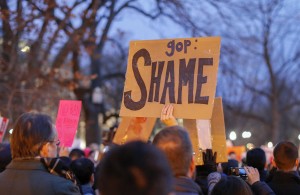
[(134, 128), (216, 136), (67, 121), (204, 134), (3, 126), (182, 72)]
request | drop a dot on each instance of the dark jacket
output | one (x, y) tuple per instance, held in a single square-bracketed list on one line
[(262, 175), (261, 188), (87, 189), (283, 183), (186, 186), (30, 177)]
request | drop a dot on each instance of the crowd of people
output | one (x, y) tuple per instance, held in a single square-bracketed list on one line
[(35, 163)]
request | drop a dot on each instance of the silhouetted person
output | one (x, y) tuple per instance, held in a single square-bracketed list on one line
[(228, 165), (135, 168), (257, 158), (286, 179), (231, 185), (33, 139), (232, 155), (76, 153), (83, 168)]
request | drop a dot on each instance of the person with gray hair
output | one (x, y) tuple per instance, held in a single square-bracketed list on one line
[(34, 138), (175, 143)]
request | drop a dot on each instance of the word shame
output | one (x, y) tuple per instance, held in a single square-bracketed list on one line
[(185, 78)]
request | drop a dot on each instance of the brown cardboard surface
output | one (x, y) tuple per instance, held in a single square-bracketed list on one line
[(218, 131), (217, 134), (190, 125), (134, 128), (161, 60), (204, 129)]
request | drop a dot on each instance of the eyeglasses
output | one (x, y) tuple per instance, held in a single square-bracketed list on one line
[(57, 142)]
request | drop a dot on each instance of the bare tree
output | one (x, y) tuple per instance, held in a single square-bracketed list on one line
[(52, 50), (260, 67)]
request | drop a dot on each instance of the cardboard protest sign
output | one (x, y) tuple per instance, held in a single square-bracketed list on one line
[(204, 129), (217, 136), (182, 72), (3, 126), (134, 128), (67, 121)]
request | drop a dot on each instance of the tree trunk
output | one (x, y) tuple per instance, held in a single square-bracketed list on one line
[(92, 128), (91, 112), (275, 122)]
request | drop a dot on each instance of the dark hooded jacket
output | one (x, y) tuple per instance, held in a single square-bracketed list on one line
[(283, 183), (186, 186)]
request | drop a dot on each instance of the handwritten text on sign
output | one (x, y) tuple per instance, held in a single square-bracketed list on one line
[(179, 71), (67, 121)]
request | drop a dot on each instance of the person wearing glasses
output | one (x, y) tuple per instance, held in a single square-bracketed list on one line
[(34, 139)]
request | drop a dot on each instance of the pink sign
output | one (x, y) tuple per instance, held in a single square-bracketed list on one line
[(67, 121), (3, 127)]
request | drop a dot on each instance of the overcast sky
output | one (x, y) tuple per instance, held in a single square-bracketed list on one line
[(139, 27)]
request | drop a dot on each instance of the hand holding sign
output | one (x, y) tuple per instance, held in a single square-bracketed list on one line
[(210, 160), (216, 136), (167, 115)]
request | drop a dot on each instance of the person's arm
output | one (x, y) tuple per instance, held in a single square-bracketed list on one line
[(167, 117), (64, 155), (63, 151), (257, 186), (212, 179)]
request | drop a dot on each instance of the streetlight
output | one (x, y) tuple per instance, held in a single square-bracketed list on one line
[(25, 49), (246, 134), (270, 145), (232, 135), (250, 146), (97, 96)]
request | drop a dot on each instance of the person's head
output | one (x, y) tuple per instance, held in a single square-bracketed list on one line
[(231, 185), (232, 155), (5, 155), (174, 141), (134, 168), (76, 153), (256, 158), (34, 135), (83, 168), (230, 164), (285, 156)]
